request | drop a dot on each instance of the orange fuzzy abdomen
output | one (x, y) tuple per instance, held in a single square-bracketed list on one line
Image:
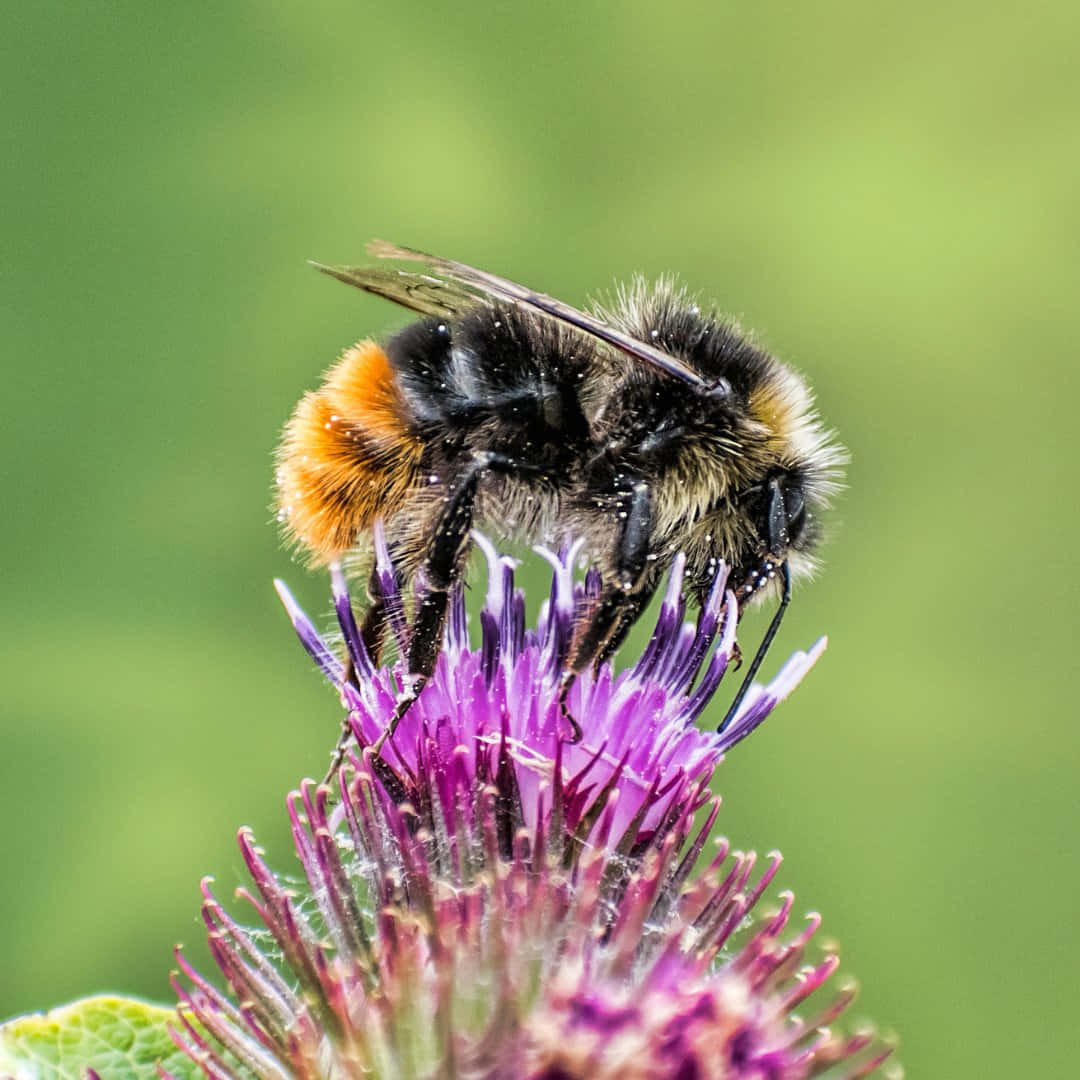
[(347, 456)]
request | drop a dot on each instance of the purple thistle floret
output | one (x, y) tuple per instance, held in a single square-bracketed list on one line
[(487, 900), (496, 708)]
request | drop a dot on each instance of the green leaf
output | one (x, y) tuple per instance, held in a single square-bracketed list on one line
[(116, 1037)]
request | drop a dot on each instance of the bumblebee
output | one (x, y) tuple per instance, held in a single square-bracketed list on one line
[(647, 426)]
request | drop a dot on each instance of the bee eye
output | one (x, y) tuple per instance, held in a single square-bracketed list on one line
[(785, 514), (795, 511), (794, 503)]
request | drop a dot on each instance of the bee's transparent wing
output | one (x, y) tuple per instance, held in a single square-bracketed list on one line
[(454, 285), (422, 293)]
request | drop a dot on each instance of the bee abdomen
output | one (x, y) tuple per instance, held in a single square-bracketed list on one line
[(347, 456)]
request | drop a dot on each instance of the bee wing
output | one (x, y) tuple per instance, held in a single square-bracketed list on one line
[(459, 286), (422, 293)]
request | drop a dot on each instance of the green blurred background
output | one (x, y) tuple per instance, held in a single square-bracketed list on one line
[(889, 195)]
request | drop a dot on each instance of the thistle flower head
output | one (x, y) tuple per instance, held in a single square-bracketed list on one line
[(488, 901)]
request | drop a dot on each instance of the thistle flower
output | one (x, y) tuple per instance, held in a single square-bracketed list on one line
[(486, 900), (496, 707)]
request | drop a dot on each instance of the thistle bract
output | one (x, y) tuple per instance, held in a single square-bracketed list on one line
[(487, 900)]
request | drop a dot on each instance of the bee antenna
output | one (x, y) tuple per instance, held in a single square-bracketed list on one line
[(763, 648)]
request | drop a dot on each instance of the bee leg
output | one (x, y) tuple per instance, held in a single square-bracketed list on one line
[(627, 608), (446, 551), (414, 683), (576, 734), (372, 633), (427, 631), (598, 639), (635, 604), (373, 628), (338, 756), (620, 604)]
